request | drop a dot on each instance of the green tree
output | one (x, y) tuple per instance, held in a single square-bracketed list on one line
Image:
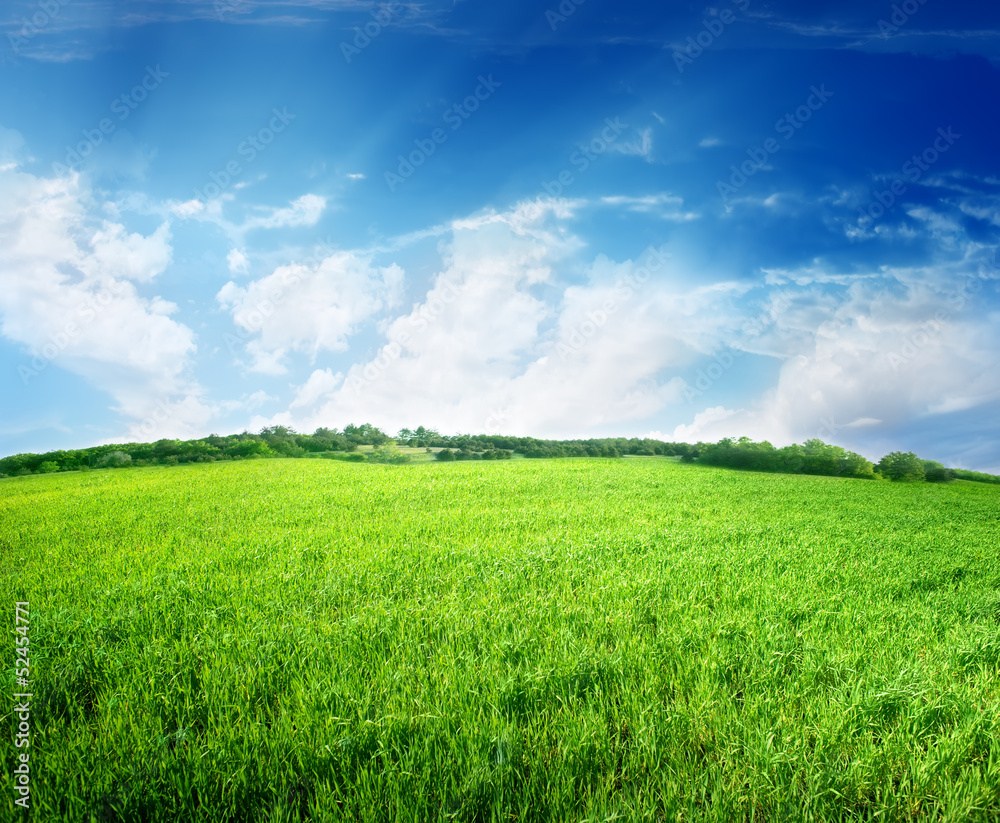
[(934, 472), (902, 467), (115, 460)]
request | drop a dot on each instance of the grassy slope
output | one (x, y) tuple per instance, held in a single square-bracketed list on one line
[(553, 640)]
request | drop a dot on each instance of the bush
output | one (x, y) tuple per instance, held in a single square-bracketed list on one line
[(445, 455), (115, 460), (936, 473), (903, 467), (388, 453), (48, 466)]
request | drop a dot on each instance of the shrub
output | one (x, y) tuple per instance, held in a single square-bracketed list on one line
[(902, 466), (115, 460), (388, 453), (445, 455), (936, 473)]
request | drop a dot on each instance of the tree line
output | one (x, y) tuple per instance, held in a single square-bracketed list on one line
[(812, 457)]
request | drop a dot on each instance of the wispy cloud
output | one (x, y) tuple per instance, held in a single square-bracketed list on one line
[(640, 146)]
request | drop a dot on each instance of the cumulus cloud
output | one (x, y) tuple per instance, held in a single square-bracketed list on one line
[(519, 333), (71, 299), (878, 351), (320, 384), (309, 308), (485, 351), (118, 253)]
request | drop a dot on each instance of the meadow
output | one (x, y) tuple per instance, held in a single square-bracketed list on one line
[(579, 639)]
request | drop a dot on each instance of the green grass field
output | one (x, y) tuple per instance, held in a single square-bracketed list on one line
[(280, 640)]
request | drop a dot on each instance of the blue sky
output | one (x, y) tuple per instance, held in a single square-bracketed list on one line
[(608, 218)]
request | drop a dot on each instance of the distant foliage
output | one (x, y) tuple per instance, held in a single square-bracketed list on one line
[(388, 453), (115, 460), (814, 457), (977, 477), (903, 467), (935, 472), (272, 441)]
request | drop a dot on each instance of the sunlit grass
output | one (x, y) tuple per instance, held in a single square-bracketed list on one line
[(552, 640)]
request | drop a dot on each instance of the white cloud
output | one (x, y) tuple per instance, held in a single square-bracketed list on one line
[(711, 420), (709, 142), (309, 309), (641, 146), (320, 384), (874, 353), (117, 253), (667, 206), (484, 351), (238, 261), (305, 211), (188, 208), (70, 298)]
